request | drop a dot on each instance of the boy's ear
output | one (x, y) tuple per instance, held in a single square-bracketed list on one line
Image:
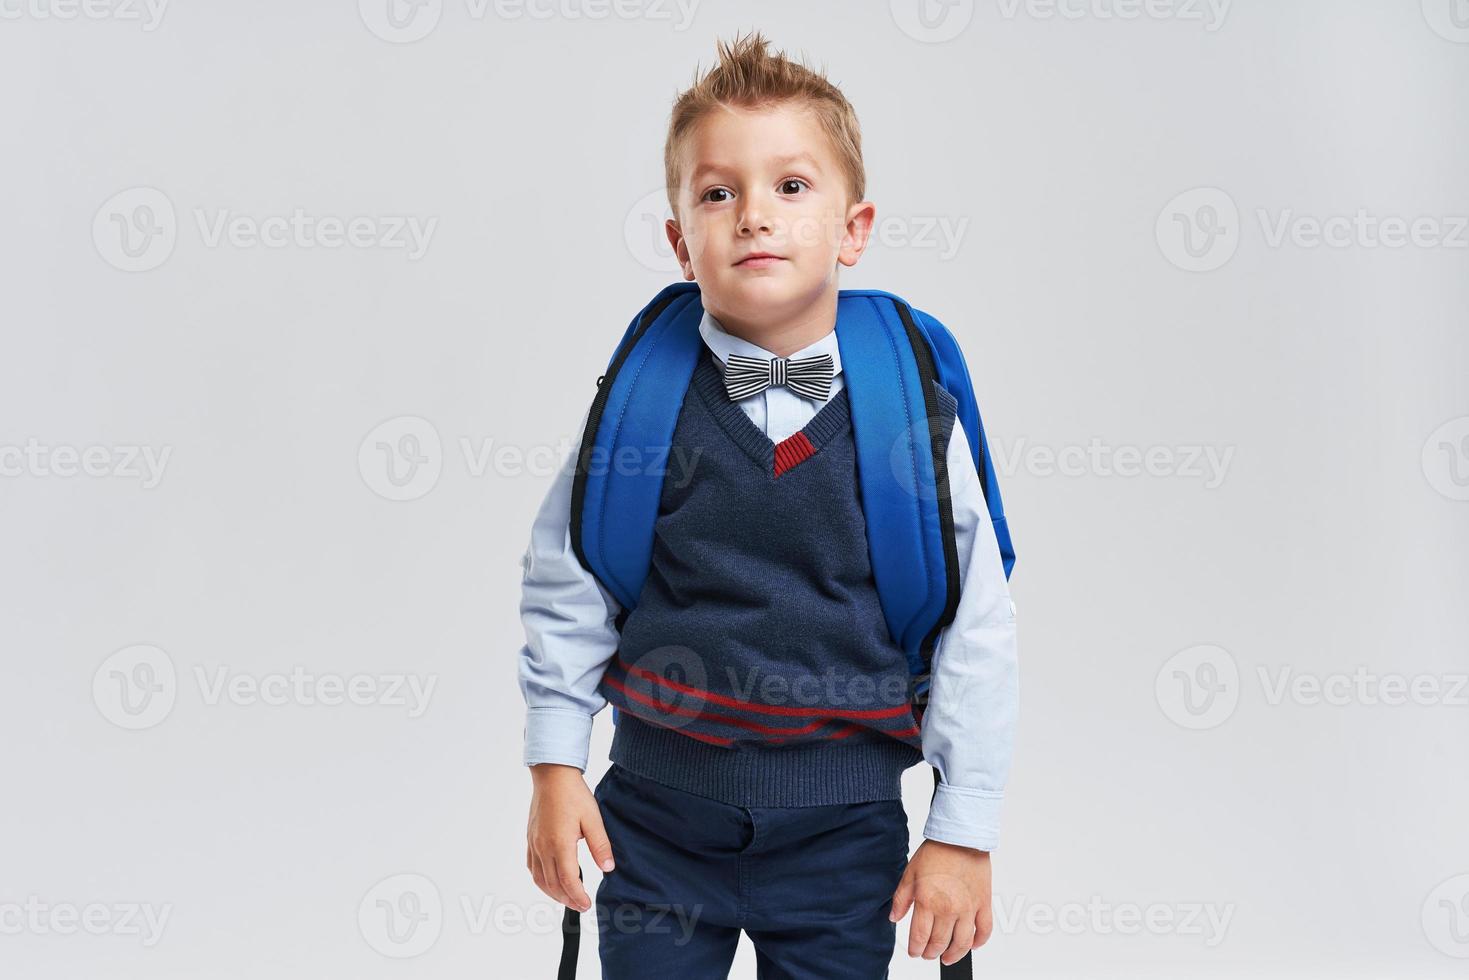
[(858, 232), (680, 249)]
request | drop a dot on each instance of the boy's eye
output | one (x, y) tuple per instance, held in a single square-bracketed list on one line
[(715, 190), (796, 182)]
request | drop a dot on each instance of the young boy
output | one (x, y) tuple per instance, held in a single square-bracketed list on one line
[(772, 808)]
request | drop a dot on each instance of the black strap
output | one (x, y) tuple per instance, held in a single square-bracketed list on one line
[(570, 938), (961, 969)]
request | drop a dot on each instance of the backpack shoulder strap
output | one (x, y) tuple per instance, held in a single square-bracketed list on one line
[(954, 376), (613, 504), (901, 419)]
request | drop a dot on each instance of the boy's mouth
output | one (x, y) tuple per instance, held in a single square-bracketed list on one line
[(758, 260)]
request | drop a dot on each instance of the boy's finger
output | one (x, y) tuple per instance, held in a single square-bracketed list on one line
[(902, 898), (919, 930), (962, 943), (597, 843), (538, 875), (939, 938), (568, 872), (550, 881), (984, 925)]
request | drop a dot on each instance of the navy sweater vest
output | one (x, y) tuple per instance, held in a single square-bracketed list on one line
[(757, 667)]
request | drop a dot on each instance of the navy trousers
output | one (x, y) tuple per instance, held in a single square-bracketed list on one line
[(811, 886)]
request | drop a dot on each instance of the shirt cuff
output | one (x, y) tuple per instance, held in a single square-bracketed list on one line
[(966, 817), (559, 735)]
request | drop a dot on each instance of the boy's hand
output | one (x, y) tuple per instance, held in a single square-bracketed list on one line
[(563, 810), (951, 886)]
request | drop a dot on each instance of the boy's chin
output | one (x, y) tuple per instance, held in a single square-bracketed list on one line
[(763, 290)]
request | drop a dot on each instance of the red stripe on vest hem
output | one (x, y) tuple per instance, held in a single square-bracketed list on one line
[(767, 709), (723, 719)]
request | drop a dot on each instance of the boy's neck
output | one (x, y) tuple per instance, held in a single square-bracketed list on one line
[(784, 337)]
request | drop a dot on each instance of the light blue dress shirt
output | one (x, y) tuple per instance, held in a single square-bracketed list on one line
[(968, 727)]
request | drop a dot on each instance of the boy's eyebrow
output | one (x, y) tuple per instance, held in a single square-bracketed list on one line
[(785, 161)]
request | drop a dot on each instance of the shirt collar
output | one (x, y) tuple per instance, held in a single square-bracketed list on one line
[(724, 343)]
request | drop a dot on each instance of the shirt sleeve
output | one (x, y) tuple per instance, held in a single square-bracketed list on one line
[(969, 723), (570, 633)]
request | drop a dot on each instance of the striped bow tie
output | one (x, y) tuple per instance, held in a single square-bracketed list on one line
[(808, 376)]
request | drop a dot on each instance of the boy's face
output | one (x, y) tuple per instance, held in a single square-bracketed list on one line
[(764, 181)]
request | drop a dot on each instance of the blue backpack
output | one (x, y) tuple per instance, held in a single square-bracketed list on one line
[(898, 363)]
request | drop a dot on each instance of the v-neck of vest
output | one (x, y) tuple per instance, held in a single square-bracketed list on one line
[(775, 458)]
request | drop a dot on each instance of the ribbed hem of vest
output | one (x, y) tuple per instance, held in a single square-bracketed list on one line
[(805, 774)]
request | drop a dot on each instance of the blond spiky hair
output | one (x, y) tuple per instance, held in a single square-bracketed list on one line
[(747, 76)]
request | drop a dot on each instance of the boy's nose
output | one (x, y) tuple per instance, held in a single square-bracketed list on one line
[(753, 218)]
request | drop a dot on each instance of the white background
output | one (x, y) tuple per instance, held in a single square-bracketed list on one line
[(1028, 161)]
